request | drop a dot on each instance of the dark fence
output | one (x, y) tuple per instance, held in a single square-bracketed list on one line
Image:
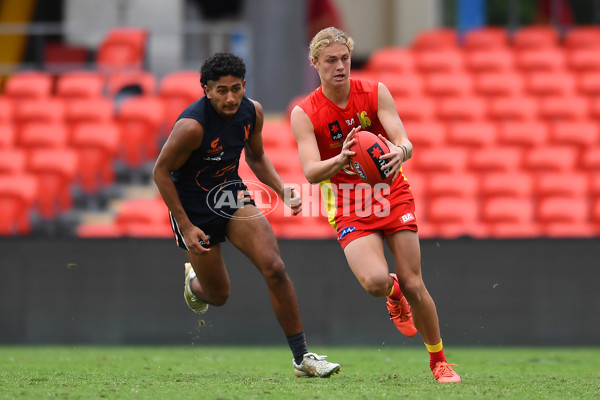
[(129, 291)]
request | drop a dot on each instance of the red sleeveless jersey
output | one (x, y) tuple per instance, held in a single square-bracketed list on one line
[(332, 124)]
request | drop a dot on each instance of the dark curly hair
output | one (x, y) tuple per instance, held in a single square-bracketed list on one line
[(222, 64)]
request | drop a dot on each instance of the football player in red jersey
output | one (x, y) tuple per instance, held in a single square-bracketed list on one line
[(348, 104)]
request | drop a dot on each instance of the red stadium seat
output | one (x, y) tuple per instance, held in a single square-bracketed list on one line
[(523, 134), (78, 85), (550, 159), (55, 171), (582, 37), (590, 159), (490, 60), (49, 110), (29, 85), (440, 159), (145, 80), (495, 159), (507, 210), (178, 90), (8, 136), (580, 133), (122, 49), (541, 60), (550, 84), (17, 194), (99, 230), (390, 60), (521, 109), (562, 184), (403, 85), (417, 109), (588, 83), (448, 84), (425, 134), (453, 217), (97, 111), (140, 122), (506, 185), (535, 37), (488, 37), (12, 161), (462, 109), (7, 110), (452, 184), (36, 135), (448, 61), (97, 146), (417, 182), (584, 60), (134, 214), (277, 135), (472, 134), (499, 84), (595, 214), (435, 39), (564, 108), (564, 217)]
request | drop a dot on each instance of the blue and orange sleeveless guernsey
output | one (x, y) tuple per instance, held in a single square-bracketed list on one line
[(331, 125)]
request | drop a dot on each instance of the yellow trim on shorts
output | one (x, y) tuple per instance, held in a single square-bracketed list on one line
[(329, 201)]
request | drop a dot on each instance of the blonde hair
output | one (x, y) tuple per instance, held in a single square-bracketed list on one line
[(328, 36)]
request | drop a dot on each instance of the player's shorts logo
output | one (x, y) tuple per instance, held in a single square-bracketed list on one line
[(346, 231), (407, 218)]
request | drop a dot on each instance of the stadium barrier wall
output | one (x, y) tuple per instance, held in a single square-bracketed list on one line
[(129, 291)]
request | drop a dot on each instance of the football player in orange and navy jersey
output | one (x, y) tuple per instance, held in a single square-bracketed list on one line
[(324, 124), (197, 175)]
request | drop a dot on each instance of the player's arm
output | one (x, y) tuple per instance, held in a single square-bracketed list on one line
[(315, 169), (400, 146), (262, 167), (186, 136)]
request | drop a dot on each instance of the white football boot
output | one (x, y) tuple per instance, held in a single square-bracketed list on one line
[(314, 365), (196, 305)]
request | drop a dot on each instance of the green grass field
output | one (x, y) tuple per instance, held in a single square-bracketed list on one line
[(265, 373)]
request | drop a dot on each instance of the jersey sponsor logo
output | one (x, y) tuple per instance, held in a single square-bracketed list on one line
[(215, 148), (350, 122), (407, 218), (335, 131), (346, 231), (375, 152)]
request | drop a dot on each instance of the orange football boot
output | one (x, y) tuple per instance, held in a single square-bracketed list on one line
[(443, 372), (401, 315)]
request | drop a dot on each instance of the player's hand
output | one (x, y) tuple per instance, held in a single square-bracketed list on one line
[(348, 142), (394, 158), (292, 199), (193, 237)]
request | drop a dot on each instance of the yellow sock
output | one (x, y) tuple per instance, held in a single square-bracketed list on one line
[(435, 347)]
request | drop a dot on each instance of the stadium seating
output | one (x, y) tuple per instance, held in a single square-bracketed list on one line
[(29, 85), (7, 136), (122, 49), (178, 90), (489, 60), (582, 37), (6, 110), (472, 134), (403, 85), (17, 195), (426, 133), (79, 85), (535, 37), (96, 111), (395, 60), (488, 37), (145, 80), (462, 109), (435, 39), (12, 161), (531, 61), (525, 134)]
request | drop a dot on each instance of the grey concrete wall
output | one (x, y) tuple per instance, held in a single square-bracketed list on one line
[(129, 291)]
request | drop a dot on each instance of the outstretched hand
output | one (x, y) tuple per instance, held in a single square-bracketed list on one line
[(292, 199)]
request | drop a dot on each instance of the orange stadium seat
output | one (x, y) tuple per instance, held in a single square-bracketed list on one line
[(509, 217), (145, 80), (489, 60), (448, 84), (55, 171), (564, 108), (441, 159), (391, 60), (36, 135), (178, 90), (435, 39), (444, 60), (488, 37), (7, 110), (452, 184), (78, 85), (462, 109), (17, 194), (550, 158), (580, 133), (472, 134), (122, 49), (100, 110), (506, 185), (425, 134), (12, 161), (517, 108), (541, 60), (523, 134), (590, 159), (550, 84), (135, 214), (594, 185), (499, 84), (582, 37), (140, 122), (42, 110), (565, 184), (403, 85), (29, 85), (415, 109), (535, 37), (97, 146), (8, 136), (588, 83), (453, 217), (584, 60), (495, 159), (564, 217)]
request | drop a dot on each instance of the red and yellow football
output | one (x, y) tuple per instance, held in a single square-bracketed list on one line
[(368, 148)]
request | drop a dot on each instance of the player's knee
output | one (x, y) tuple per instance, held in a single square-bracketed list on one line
[(375, 285), (275, 272), (413, 288)]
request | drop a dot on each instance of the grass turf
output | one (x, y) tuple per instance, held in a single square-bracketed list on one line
[(266, 373)]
